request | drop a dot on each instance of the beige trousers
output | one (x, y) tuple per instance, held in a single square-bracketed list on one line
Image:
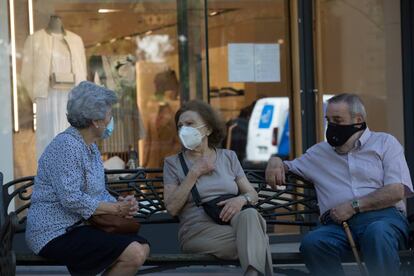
[(245, 238)]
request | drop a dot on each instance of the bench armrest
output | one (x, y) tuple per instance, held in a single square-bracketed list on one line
[(7, 255), (410, 219)]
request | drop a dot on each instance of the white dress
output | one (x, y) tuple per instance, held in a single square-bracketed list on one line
[(51, 111)]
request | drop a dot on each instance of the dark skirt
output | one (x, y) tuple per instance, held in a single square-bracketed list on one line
[(86, 250)]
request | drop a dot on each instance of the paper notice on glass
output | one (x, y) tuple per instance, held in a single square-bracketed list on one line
[(241, 62), (267, 62)]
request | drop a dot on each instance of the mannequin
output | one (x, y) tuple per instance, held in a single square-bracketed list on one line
[(53, 62), (166, 85), (160, 140), (55, 25), (160, 124), (118, 74)]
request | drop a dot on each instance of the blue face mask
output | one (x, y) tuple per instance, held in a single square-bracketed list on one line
[(109, 129)]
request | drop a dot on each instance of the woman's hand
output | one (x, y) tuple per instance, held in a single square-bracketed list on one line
[(231, 207), (133, 205), (125, 207), (202, 166)]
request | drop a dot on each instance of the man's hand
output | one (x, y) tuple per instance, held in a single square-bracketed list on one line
[(275, 172), (231, 207), (342, 212)]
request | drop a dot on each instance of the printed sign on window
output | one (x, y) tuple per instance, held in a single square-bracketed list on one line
[(249, 62)]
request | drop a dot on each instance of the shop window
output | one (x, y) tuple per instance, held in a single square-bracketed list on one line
[(130, 47), (250, 79), (358, 46)]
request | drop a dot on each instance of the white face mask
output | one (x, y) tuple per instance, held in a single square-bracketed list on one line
[(190, 137)]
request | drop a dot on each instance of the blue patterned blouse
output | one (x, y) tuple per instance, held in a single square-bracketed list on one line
[(69, 185)]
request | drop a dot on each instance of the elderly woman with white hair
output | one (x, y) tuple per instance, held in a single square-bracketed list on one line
[(70, 187)]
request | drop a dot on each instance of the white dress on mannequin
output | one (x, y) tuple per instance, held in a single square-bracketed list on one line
[(51, 111)]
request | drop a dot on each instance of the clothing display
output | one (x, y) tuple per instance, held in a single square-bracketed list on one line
[(161, 140), (48, 54), (166, 85), (157, 96), (118, 74)]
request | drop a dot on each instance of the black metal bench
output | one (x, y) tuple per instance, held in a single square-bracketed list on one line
[(294, 205)]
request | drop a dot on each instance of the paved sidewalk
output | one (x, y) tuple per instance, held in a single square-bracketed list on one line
[(350, 270), (194, 271)]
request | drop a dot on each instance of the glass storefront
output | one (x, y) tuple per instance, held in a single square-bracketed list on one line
[(132, 48), (358, 50), (250, 76), (154, 55)]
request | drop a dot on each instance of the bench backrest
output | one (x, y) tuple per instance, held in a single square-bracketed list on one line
[(294, 204)]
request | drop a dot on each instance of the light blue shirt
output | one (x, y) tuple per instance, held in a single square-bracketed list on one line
[(69, 185), (376, 161)]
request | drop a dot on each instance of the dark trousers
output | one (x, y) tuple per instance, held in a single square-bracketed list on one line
[(378, 235)]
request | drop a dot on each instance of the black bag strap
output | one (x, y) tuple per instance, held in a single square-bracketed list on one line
[(194, 191)]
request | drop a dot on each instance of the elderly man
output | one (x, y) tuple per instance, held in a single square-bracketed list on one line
[(361, 177)]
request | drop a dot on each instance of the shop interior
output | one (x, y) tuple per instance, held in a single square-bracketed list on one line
[(133, 48)]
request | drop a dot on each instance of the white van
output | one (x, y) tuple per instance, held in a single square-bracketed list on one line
[(268, 129)]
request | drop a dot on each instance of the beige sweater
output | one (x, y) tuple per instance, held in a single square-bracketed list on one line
[(36, 64)]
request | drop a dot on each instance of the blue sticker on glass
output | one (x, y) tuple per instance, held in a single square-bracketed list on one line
[(283, 149), (266, 116)]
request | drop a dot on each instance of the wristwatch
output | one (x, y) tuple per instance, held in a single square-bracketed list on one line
[(248, 199), (355, 205)]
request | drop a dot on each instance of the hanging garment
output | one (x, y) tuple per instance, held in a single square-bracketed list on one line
[(161, 139), (37, 55), (118, 74), (51, 103)]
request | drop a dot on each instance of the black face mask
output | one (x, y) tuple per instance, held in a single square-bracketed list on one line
[(337, 135)]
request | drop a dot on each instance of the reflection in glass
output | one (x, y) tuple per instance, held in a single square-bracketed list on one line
[(359, 51), (250, 76), (130, 47)]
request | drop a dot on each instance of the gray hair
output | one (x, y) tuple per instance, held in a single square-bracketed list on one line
[(88, 102), (354, 103)]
